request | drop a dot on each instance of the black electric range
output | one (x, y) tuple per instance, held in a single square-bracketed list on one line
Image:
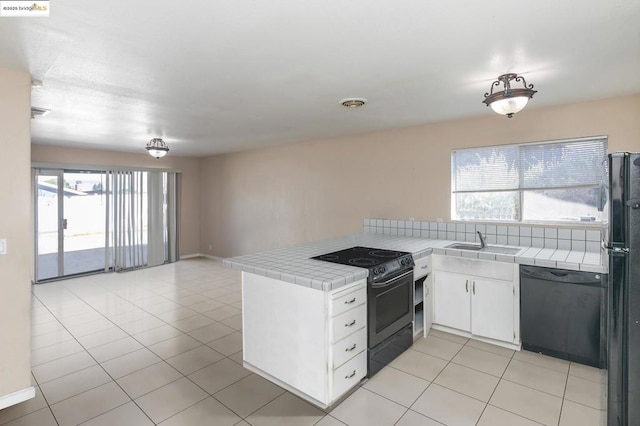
[(380, 263), (389, 300)]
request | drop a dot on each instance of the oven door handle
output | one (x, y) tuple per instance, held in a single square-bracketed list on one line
[(386, 283)]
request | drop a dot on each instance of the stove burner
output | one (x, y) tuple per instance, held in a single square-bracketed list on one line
[(385, 254), (362, 261), (328, 257)]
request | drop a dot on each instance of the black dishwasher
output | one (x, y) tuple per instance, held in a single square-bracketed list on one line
[(563, 314)]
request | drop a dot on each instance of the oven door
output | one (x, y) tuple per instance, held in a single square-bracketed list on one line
[(390, 304)]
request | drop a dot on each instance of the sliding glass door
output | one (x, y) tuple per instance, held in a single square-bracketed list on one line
[(70, 223), (49, 225), (89, 221), (84, 222)]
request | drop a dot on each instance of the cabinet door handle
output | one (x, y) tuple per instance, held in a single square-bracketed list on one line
[(351, 348), (466, 285), (474, 287), (349, 302), (350, 375), (351, 324)]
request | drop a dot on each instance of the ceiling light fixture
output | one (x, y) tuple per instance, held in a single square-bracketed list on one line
[(509, 101), (157, 148), (353, 102)]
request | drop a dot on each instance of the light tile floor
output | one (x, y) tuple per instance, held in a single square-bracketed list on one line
[(164, 346)]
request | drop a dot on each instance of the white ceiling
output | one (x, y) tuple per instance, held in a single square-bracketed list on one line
[(221, 76)]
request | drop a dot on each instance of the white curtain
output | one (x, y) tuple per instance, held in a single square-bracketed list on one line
[(171, 227), (142, 219), (126, 224), (156, 253)]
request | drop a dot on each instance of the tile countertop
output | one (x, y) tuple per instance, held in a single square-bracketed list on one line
[(293, 264)]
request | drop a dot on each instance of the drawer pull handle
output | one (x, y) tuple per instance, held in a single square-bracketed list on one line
[(350, 375), (351, 324), (349, 302), (425, 267), (351, 348)]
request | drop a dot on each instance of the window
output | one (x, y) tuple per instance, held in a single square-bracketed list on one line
[(552, 181)]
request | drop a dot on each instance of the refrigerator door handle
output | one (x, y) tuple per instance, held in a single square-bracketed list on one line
[(616, 250), (634, 204)]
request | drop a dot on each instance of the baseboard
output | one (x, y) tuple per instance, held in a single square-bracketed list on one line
[(190, 256), (208, 256), (194, 255), (17, 397)]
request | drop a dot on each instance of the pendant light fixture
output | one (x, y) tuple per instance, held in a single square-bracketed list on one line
[(157, 148), (509, 101)]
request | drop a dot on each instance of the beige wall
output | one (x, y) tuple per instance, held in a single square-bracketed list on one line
[(273, 197), (190, 196), (15, 213)]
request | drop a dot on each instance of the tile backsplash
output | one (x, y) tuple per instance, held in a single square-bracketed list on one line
[(562, 237)]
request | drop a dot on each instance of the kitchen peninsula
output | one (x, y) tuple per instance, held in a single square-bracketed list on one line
[(304, 320)]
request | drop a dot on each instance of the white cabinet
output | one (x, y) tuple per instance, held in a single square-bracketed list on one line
[(310, 342), (428, 303), (422, 267), (421, 310), (346, 348), (492, 309), (348, 337), (477, 298), (347, 322), (452, 303), (343, 300)]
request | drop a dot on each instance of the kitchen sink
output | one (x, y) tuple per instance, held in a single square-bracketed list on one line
[(485, 249), (461, 246)]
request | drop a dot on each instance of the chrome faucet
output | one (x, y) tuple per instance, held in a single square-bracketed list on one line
[(483, 243)]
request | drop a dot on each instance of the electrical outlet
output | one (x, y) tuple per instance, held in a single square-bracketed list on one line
[(210, 247), (3, 246), (439, 220), (412, 219)]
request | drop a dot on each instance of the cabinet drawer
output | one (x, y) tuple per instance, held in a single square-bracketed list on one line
[(422, 267), (347, 301), (348, 347), (349, 375), (348, 322)]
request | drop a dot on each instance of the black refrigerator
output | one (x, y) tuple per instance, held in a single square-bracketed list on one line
[(623, 348)]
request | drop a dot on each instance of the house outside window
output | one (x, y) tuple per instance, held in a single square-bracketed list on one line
[(556, 181)]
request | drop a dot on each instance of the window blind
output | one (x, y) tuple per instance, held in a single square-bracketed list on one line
[(550, 181), (531, 166), (493, 168), (561, 165)]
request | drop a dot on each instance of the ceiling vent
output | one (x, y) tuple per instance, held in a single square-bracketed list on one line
[(353, 102), (39, 112)]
